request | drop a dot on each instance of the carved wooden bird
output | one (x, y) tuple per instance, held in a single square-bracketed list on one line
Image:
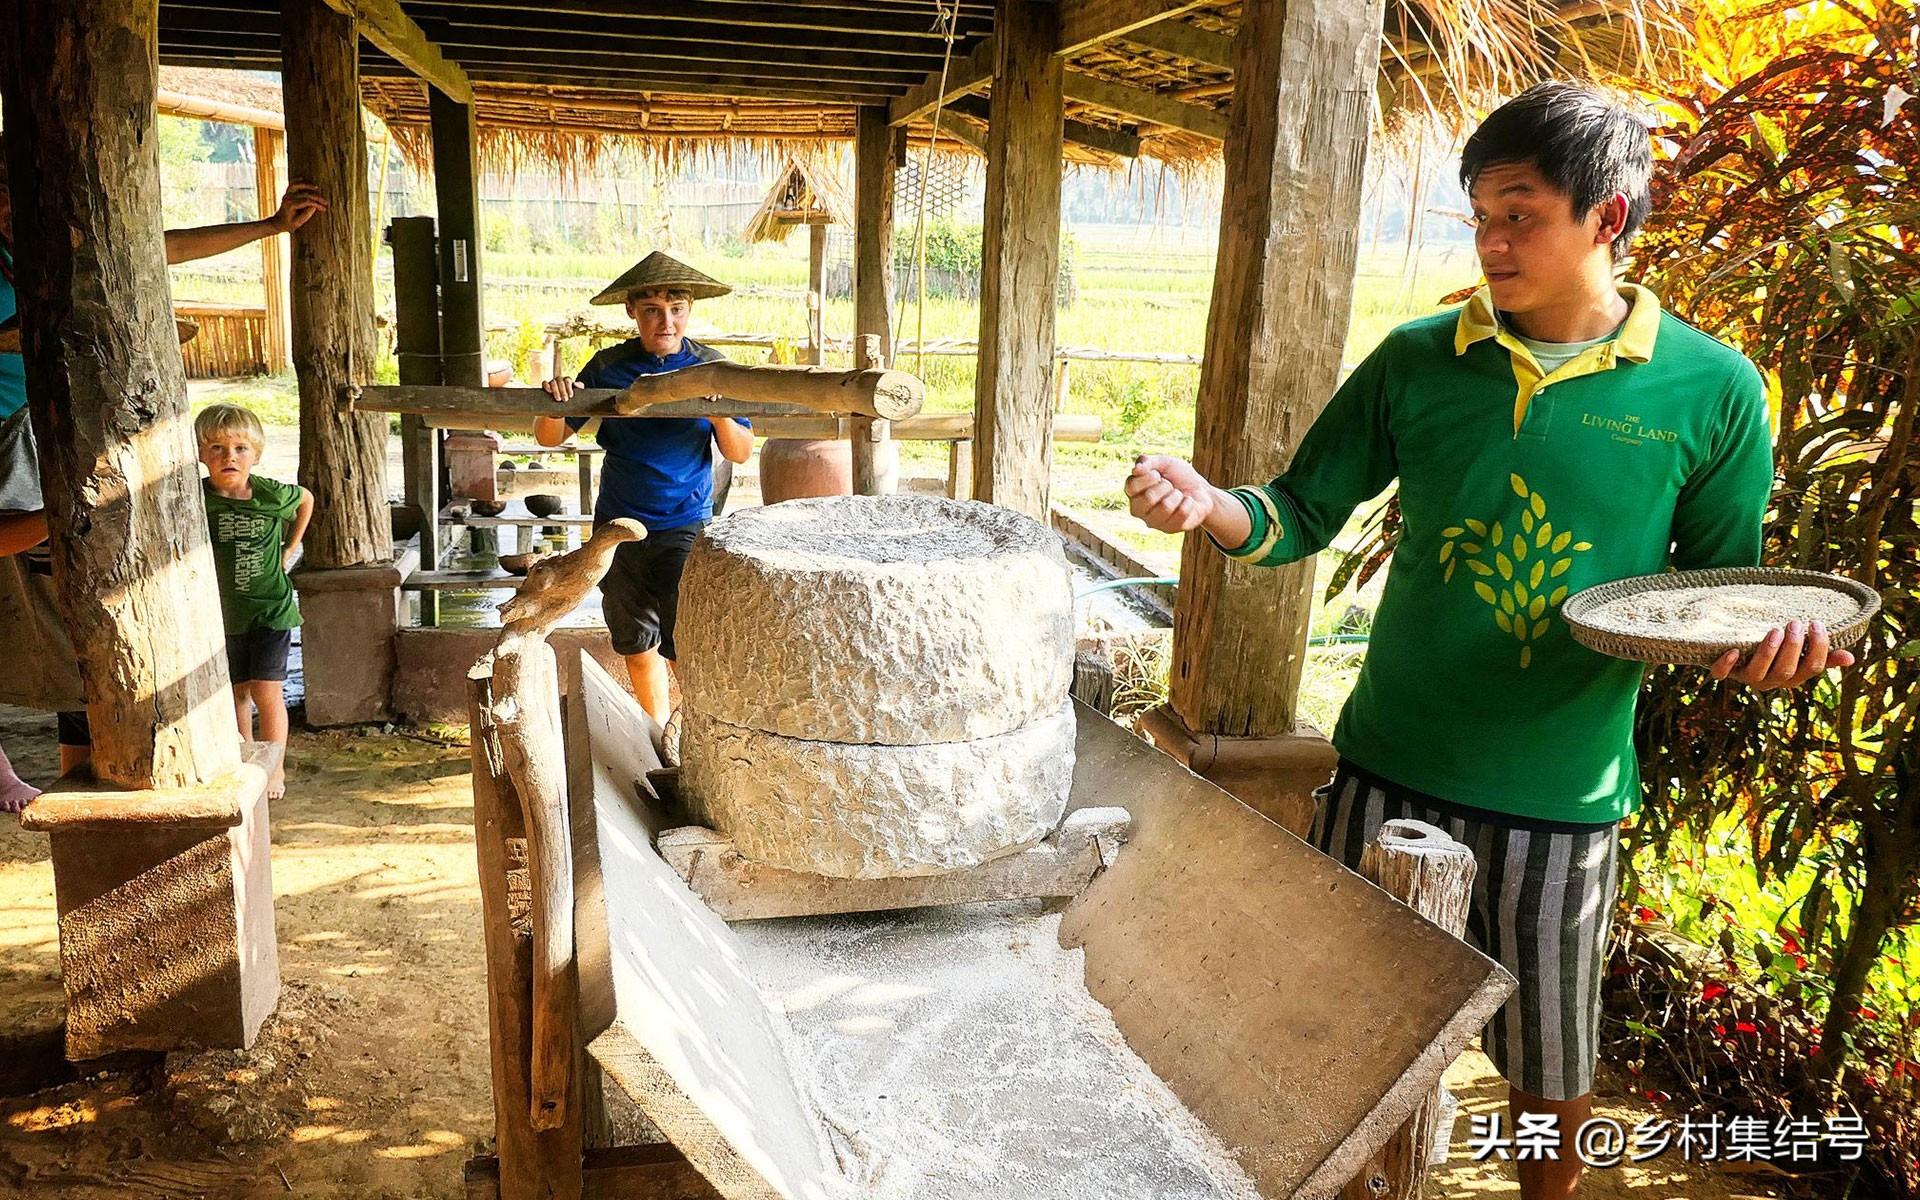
[(555, 586)]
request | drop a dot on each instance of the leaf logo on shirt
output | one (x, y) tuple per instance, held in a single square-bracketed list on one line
[(1516, 571)]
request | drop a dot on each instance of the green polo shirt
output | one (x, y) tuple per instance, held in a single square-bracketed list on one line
[(1518, 487)]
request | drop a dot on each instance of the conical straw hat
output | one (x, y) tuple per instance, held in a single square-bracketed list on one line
[(659, 270)]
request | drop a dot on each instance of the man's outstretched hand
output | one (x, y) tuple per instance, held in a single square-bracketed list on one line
[(1784, 658), (301, 204), (1169, 495)]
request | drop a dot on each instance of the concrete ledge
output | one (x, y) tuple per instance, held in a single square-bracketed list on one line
[(166, 927), (78, 802), (361, 578), (1274, 776)]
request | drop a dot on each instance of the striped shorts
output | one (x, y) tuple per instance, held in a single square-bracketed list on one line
[(1542, 907)]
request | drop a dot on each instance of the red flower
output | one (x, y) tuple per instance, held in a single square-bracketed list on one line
[(1719, 1030), (1868, 1014), (1746, 1027), (1790, 944), (1712, 992), (1643, 914)]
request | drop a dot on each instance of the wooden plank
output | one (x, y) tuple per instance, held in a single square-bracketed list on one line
[(644, 85), (1186, 41), (103, 367), (1145, 106), (1301, 117), (655, 1171), (463, 581), (1085, 23), (343, 455), (740, 889), (708, 389), (963, 75), (630, 18), (898, 61), (534, 1164), (693, 1041), (613, 746), (1302, 1031), (387, 26), (664, 57), (1019, 263)]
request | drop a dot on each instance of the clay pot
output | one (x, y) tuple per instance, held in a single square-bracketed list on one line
[(545, 504), (791, 469), (488, 508)]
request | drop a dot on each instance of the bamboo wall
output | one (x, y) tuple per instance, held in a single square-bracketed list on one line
[(232, 340)]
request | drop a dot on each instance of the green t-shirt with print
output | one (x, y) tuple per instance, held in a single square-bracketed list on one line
[(249, 536), (1518, 487)]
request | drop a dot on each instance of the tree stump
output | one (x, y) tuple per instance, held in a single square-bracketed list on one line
[(1433, 874)]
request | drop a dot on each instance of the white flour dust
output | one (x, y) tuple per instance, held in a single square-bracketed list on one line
[(1737, 614), (959, 1054)]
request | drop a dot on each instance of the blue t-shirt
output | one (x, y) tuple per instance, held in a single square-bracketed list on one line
[(659, 470), (13, 368)]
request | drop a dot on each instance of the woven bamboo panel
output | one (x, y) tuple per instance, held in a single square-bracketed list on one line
[(232, 340)]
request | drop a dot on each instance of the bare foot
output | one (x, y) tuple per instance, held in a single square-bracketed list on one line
[(14, 794), (277, 783)]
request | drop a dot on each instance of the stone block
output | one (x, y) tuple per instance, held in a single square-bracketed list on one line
[(892, 620), (869, 812), (349, 616), (165, 902)]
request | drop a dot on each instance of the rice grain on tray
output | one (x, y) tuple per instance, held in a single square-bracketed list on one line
[(1736, 614)]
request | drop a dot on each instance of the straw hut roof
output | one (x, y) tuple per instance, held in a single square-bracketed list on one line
[(556, 81), (806, 192)]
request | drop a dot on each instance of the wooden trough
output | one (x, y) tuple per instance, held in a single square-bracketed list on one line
[(1299, 1013)]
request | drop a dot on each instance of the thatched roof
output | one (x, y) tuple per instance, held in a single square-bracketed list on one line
[(806, 192), (556, 84)]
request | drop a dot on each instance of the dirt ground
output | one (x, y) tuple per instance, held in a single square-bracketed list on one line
[(371, 1081)]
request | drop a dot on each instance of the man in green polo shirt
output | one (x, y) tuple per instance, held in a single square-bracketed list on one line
[(1557, 432)]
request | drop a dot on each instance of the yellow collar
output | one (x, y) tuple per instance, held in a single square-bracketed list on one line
[(1479, 321)]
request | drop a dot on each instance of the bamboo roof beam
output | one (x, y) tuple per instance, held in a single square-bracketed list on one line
[(1093, 137), (179, 104), (1185, 41)]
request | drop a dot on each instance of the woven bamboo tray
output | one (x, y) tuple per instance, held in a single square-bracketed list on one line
[(1699, 652)]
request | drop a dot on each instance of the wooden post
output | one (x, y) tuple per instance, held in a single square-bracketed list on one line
[(1019, 261), (109, 398), (816, 293), (877, 150), (268, 184), (1432, 874), (1296, 154), (456, 190), (343, 456), (534, 1164), (417, 345)]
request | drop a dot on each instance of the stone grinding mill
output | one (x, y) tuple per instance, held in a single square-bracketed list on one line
[(879, 935)]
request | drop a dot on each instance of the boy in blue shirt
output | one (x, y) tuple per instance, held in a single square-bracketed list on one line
[(659, 470)]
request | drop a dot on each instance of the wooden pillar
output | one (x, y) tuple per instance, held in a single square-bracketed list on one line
[(108, 394), (416, 304), (343, 456), (268, 184), (1019, 261), (1296, 153), (816, 292), (877, 150), (456, 190)]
